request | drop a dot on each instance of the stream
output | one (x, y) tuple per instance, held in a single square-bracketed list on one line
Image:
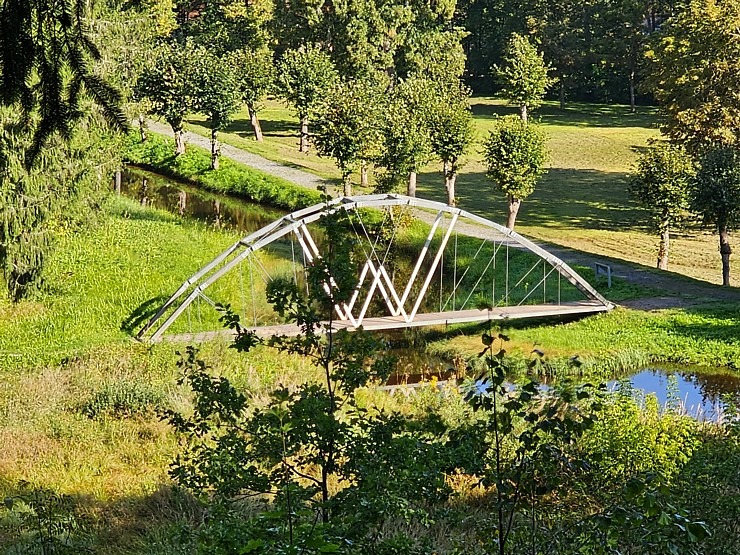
[(700, 393)]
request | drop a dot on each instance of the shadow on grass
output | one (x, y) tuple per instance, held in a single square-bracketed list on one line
[(584, 199), (270, 128), (40, 520), (141, 314), (574, 114)]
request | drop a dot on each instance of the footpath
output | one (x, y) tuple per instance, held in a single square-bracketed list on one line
[(672, 290)]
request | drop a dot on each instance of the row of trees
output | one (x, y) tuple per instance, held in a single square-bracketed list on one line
[(595, 46), (694, 72)]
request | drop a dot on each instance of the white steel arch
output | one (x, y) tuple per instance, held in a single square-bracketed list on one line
[(296, 224)]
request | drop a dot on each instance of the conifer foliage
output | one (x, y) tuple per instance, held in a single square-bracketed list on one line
[(46, 61)]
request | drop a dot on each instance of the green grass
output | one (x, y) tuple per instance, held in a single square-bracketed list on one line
[(581, 203), (96, 280), (620, 341), (231, 178)]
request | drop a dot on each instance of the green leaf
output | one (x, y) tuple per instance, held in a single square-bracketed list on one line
[(252, 546)]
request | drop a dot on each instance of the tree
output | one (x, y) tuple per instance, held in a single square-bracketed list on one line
[(716, 197), (64, 186), (305, 75), (515, 154), (661, 182), (255, 74), (523, 77), (166, 83), (347, 126), (624, 38), (406, 144), (292, 449), (694, 73), (451, 132), (216, 95), (562, 42), (47, 63)]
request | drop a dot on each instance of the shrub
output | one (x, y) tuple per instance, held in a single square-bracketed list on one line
[(123, 399)]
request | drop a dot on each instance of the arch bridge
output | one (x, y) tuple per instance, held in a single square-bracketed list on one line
[(421, 263)]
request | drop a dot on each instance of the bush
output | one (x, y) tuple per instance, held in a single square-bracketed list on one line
[(123, 399)]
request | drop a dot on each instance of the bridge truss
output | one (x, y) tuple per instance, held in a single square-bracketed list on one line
[(449, 266)]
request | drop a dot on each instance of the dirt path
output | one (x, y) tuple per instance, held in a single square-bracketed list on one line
[(671, 290)]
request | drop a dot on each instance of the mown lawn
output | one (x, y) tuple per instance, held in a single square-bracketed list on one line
[(582, 202)]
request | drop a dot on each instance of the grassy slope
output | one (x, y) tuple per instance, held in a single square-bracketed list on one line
[(582, 203)]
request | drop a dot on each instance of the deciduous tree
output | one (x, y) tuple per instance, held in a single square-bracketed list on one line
[(305, 75), (347, 126), (694, 73), (661, 183), (524, 75), (166, 84), (516, 155), (716, 197), (215, 94), (451, 132), (406, 144), (255, 74)]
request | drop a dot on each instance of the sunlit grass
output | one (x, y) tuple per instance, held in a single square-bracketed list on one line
[(582, 202)]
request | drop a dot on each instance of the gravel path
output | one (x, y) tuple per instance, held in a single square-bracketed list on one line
[(676, 291), (299, 177)]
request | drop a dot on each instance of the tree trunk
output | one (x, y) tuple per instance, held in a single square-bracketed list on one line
[(514, 204), (304, 135), (142, 127), (347, 183), (523, 113), (179, 141), (562, 93), (450, 178), (665, 239), (215, 149), (725, 251), (117, 182), (255, 124), (411, 189), (363, 173), (633, 107), (182, 202)]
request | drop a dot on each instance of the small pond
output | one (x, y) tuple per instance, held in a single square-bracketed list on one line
[(699, 393), (703, 395)]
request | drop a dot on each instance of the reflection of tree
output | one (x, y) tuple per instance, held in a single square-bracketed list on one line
[(144, 194), (714, 386)]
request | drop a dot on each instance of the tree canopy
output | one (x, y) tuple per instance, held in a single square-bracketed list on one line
[(661, 183), (524, 76), (694, 73), (516, 155), (716, 197)]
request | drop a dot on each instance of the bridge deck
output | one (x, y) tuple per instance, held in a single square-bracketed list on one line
[(428, 319)]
